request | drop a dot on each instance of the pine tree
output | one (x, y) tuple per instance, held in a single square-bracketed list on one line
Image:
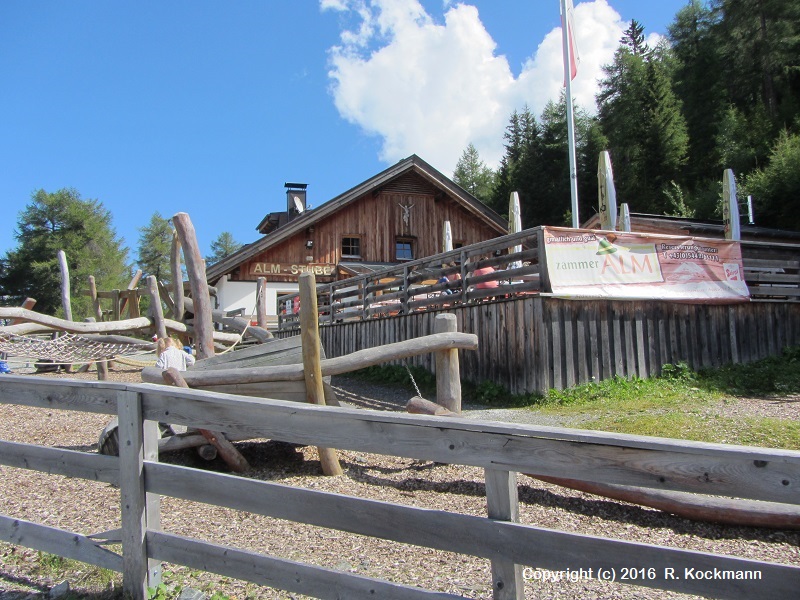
[(155, 248), (473, 175), (82, 229), (222, 247)]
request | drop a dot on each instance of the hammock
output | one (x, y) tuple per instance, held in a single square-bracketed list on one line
[(68, 348)]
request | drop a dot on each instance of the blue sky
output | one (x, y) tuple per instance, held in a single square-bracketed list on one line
[(209, 107)]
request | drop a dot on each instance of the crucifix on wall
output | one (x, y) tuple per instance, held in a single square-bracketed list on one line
[(406, 212)]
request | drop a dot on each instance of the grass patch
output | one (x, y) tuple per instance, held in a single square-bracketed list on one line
[(704, 427)]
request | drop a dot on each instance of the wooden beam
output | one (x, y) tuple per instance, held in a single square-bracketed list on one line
[(102, 365), (261, 302), (156, 310), (177, 276), (196, 269), (448, 374), (232, 457), (66, 301), (502, 503), (28, 304), (309, 333), (133, 311), (331, 366)]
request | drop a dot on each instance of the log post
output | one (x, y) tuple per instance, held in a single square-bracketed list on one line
[(66, 301), (196, 269), (227, 451), (177, 276), (261, 302), (102, 365), (115, 305), (420, 406), (133, 307), (448, 375), (156, 310), (312, 369)]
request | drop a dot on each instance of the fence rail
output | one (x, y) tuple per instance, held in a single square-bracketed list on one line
[(502, 450)]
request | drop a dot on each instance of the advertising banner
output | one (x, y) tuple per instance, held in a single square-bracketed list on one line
[(640, 266)]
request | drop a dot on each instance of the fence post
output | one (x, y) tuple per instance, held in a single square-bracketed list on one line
[(102, 365), (309, 333), (448, 374), (261, 302), (502, 503), (140, 511)]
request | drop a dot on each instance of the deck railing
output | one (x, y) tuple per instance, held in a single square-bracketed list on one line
[(771, 271), (502, 450)]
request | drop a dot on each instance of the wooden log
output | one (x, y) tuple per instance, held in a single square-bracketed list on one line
[(420, 406), (261, 302), (102, 365), (28, 304), (163, 293), (237, 323), (196, 269), (177, 276), (309, 334), (332, 366), (40, 323), (66, 301), (156, 310), (697, 507), (133, 307), (448, 374), (232, 457)]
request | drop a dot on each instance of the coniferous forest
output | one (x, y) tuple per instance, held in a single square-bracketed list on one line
[(721, 91)]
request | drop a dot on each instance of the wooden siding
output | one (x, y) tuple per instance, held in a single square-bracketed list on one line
[(533, 344), (378, 221)]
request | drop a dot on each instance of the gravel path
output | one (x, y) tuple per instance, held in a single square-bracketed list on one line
[(89, 507)]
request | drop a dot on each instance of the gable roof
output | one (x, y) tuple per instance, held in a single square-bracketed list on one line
[(412, 164)]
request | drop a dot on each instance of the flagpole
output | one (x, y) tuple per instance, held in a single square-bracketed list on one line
[(573, 169)]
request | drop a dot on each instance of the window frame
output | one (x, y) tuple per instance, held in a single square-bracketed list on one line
[(342, 247), (404, 239)]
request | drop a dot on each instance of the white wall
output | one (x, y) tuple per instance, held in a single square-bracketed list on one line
[(232, 295)]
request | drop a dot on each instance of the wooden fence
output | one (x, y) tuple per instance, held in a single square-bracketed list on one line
[(502, 450), (532, 342)]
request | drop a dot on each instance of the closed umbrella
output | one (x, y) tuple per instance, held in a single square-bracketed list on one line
[(607, 195), (447, 237)]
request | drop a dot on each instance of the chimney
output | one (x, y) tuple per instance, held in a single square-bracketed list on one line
[(295, 199)]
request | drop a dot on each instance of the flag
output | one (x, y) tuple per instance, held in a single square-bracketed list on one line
[(568, 25)]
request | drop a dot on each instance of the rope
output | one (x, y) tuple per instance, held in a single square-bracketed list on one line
[(414, 381), (241, 335), (135, 363), (68, 348)]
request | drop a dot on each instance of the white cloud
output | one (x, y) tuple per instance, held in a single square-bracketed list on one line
[(431, 89)]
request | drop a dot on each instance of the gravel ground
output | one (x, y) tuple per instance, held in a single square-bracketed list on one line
[(89, 507)]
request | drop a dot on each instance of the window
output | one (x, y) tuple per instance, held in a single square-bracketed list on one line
[(351, 247), (404, 249)]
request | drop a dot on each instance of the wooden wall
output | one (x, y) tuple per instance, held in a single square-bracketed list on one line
[(378, 219), (532, 343)]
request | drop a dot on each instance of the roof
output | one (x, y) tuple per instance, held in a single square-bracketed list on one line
[(411, 164)]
